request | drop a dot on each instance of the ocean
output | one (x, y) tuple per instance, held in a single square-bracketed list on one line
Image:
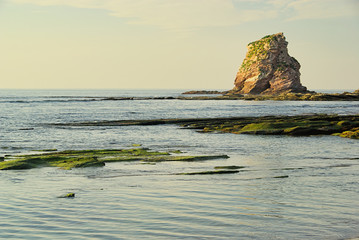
[(317, 199)]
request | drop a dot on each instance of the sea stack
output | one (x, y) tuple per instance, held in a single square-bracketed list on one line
[(268, 68)]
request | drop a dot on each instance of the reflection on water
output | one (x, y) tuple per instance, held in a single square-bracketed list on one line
[(290, 188)]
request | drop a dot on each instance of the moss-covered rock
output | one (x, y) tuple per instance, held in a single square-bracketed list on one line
[(303, 125), (354, 134), (94, 158), (78, 162)]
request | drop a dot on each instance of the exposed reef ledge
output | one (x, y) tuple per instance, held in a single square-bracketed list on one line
[(287, 96), (299, 125), (302, 125), (235, 95), (94, 158)]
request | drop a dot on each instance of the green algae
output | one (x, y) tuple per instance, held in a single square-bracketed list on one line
[(79, 162), (258, 126), (343, 123), (260, 49), (18, 164), (136, 145), (176, 151), (67, 195), (353, 134), (94, 158), (302, 125)]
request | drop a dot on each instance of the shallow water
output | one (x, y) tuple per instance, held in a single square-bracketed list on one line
[(290, 188)]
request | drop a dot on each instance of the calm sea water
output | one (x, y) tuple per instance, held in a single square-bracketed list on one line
[(318, 199)]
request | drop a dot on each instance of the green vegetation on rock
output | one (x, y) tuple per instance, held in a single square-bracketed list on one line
[(301, 125), (68, 195), (257, 48), (354, 134), (304, 125), (136, 145), (94, 158)]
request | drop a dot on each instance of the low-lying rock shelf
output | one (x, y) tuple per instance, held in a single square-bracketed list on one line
[(94, 158), (300, 125), (310, 96)]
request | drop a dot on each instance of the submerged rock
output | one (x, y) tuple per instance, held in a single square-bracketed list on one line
[(211, 172), (68, 195), (228, 167), (268, 68)]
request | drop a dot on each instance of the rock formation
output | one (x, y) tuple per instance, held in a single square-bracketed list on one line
[(268, 68)]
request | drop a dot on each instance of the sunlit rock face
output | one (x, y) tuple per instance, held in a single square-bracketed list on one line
[(268, 68)]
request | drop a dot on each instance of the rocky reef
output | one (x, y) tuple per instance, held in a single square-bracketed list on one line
[(285, 96), (290, 96), (268, 68), (302, 125), (95, 158), (298, 125)]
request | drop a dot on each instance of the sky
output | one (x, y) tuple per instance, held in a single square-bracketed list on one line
[(170, 44)]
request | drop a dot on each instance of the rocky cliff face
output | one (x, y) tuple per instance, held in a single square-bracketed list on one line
[(268, 68)]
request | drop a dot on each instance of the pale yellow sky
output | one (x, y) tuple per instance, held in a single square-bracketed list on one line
[(187, 44)]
